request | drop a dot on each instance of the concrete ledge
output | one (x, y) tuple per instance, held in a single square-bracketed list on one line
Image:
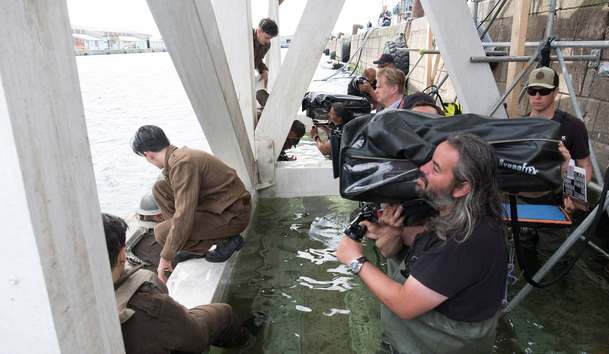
[(302, 179)]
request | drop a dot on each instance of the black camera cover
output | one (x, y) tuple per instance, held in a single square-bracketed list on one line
[(380, 153), (317, 104)]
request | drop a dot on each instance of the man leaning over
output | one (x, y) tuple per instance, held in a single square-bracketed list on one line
[(267, 30), (202, 200), (447, 297)]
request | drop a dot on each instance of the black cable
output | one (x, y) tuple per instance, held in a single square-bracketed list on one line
[(489, 13)]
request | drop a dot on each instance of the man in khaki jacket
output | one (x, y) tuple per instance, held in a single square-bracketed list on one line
[(202, 200), (151, 321)]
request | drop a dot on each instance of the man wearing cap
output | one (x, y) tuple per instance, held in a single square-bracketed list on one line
[(390, 88), (202, 200), (385, 61), (542, 89)]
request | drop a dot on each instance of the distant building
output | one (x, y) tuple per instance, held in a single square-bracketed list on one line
[(96, 41)]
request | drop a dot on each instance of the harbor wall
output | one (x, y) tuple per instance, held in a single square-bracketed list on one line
[(575, 20)]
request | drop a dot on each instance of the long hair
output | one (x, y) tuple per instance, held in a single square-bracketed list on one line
[(477, 166)]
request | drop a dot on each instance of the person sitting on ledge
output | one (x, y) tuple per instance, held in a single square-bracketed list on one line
[(338, 116), (151, 321), (202, 200)]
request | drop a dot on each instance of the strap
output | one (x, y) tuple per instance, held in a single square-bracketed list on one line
[(128, 288)]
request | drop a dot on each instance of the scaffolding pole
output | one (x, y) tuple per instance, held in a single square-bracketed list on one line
[(525, 58)]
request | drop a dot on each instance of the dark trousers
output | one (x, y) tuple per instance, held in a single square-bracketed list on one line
[(208, 229)]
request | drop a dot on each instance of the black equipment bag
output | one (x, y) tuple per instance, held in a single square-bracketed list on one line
[(380, 153), (317, 104)]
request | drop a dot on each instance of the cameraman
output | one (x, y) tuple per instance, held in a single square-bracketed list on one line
[(364, 86), (449, 293), (338, 117)]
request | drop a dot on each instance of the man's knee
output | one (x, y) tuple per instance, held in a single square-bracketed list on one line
[(161, 230)]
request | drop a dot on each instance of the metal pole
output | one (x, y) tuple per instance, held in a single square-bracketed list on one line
[(597, 171), (525, 58), (516, 80), (564, 248), (494, 18), (415, 65), (555, 44), (550, 23), (475, 11)]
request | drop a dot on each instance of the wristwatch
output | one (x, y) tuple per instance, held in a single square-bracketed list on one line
[(356, 265)]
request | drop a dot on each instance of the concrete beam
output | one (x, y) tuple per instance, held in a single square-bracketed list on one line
[(56, 294), (273, 57), (193, 40), (237, 40), (457, 40), (311, 36), (294, 179)]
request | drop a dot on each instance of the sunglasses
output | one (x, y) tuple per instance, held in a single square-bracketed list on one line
[(532, 91)]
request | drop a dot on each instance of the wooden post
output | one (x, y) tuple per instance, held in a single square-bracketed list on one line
[(457, 40), (193, 40), (56, 294), (297, 70), (237, 40), (429, 58), (520, 24), (273, 57)]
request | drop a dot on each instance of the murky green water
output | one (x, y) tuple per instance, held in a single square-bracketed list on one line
[(314, 305)]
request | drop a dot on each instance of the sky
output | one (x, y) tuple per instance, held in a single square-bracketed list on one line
[(134, 15)]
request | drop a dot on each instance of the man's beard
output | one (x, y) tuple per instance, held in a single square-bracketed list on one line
[(439, 199)]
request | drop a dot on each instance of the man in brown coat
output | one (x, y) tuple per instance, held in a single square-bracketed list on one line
[(151, 321), (267, 30), (202, 200)]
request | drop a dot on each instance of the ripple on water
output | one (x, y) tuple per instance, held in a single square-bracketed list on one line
[(339, 284), (317, 256), (328, 229), (303, 308)]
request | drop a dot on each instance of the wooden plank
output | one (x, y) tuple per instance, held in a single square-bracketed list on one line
[(273, 57), (457, 40), (57, 295), (429, 58), (193, 40), (520, 24), (237, 40), (312, 33)]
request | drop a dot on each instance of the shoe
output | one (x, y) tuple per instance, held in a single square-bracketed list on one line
[(183, 256), (225, 249)]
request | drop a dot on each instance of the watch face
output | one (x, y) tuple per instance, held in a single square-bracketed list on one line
[(354, 266)]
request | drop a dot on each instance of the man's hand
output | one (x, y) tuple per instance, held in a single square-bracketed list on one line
[(348, 250), (386, 238), (164, 266), (313, 132), (365, 87), (393, 215), (264, 76), (571, 205), (566, 156)]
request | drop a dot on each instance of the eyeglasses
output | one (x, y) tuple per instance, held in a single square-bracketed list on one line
[(543, 91)]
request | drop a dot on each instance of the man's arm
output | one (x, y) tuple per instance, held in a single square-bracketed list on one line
[(586, 164), (407, 300)]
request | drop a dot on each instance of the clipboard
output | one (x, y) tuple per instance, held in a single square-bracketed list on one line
[(538, 214)]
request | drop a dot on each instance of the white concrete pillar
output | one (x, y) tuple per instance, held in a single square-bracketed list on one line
[(237, 40), (273, 57), (457, 39), (193, 40), (56, 293), (301, 61)]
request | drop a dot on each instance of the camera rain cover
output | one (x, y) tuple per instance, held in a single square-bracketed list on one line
[(317, 104), (380, 153)]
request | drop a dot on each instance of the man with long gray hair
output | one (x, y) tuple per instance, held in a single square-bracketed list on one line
[(448, 292)]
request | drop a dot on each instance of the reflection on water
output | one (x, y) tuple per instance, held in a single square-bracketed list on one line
[(297, 282)]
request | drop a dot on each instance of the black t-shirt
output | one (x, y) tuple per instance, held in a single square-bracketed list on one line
[(573, 134), (471, 274)]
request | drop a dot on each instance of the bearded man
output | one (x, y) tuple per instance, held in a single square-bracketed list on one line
[(446, 296)]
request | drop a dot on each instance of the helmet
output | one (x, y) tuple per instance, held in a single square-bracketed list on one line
[(148, 206)]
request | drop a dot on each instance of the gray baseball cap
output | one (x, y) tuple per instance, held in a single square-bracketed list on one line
[(543, 77)]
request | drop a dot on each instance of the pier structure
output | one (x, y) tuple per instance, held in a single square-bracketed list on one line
[(56, 268)]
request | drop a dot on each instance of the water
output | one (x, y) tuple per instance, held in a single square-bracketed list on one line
[(120, 93), (314, 304)]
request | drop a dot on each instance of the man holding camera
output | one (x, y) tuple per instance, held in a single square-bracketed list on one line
[(449, 292), (364, 86)]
